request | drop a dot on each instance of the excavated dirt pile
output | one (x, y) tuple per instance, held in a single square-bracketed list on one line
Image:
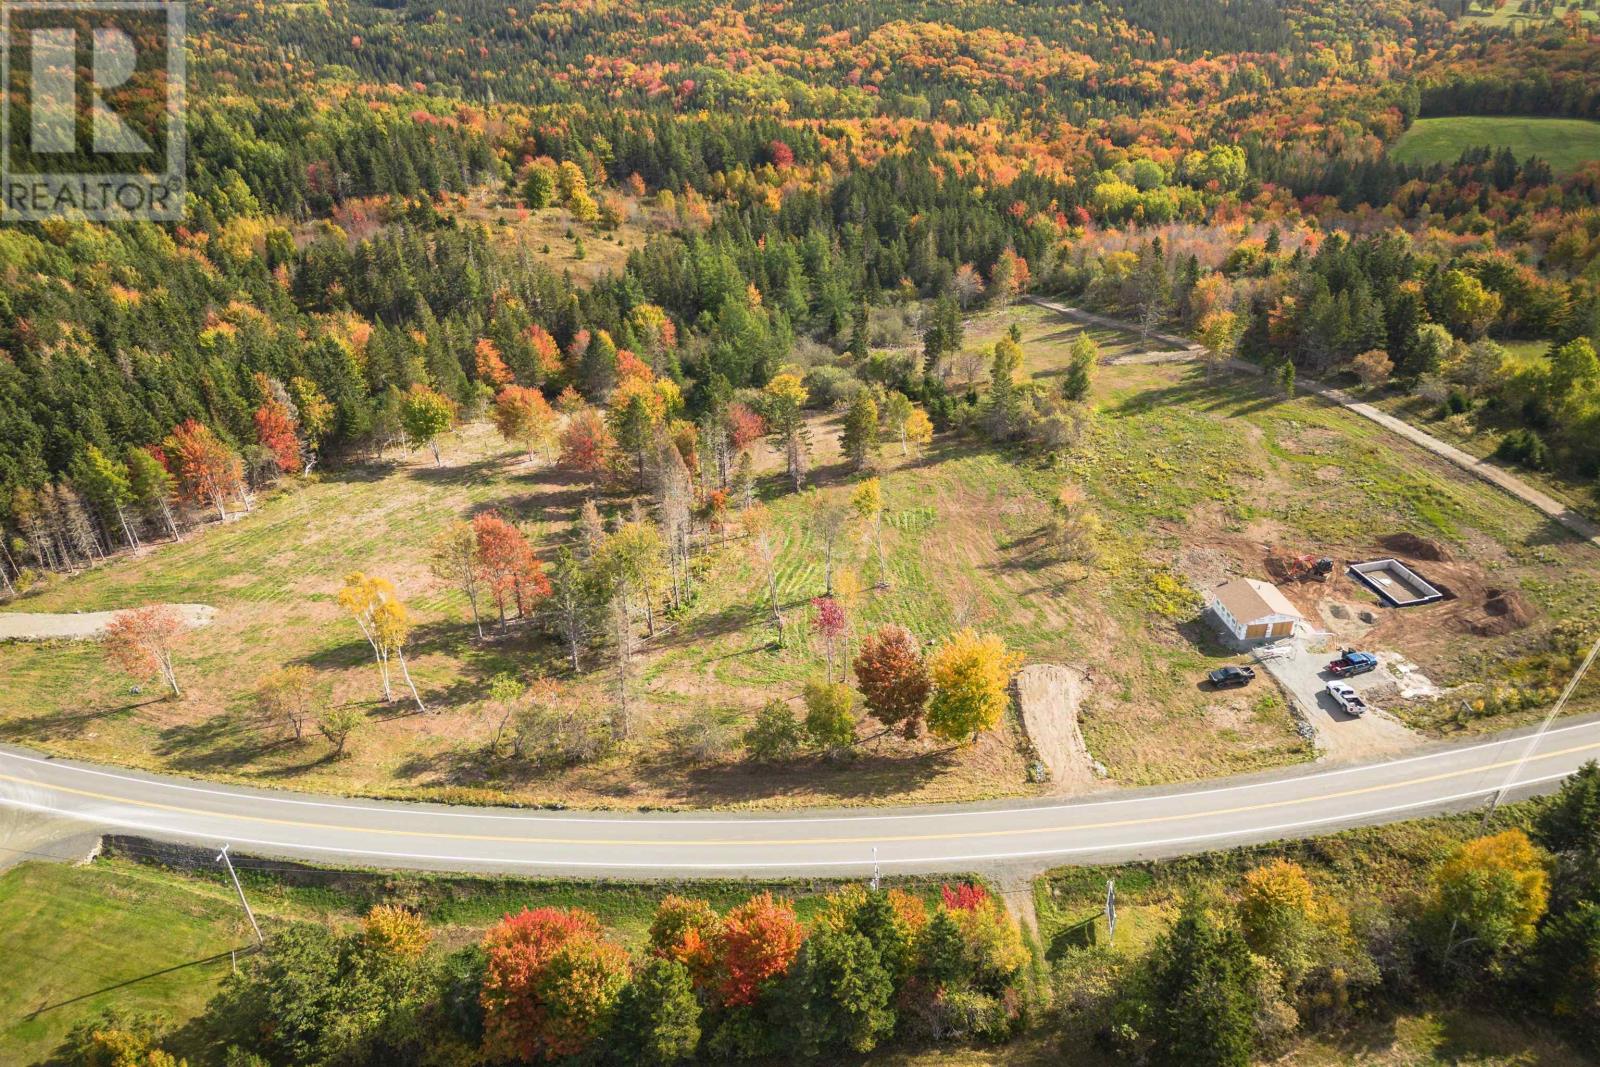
[(1409, 544)]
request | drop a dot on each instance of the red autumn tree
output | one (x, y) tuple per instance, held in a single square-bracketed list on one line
[(760, 939), (964, 897), (829, 621), (744, 426), (549, 982), (491, 368), (140, 642), (782, 155), (277, 433), (893, 679), (507, 566), (588, 444), (208, 471)]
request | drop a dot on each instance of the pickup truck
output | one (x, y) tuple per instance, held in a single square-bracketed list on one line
[(1232, 677), (1351, 663), (1348, 699)]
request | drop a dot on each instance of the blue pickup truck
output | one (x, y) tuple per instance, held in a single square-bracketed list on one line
[(1351, 663)]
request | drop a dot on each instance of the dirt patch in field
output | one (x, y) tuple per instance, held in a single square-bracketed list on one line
[(1409, 544), (1049, 695)]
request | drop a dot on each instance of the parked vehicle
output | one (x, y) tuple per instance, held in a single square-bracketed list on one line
[(1348, 699), (1351, 663), (1232, 677)]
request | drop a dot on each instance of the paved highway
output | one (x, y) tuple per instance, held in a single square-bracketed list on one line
[(1120, 825)]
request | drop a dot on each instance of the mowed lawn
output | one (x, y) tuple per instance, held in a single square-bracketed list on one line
[(1565, 144)]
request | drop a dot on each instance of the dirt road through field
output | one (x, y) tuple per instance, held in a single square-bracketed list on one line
[(81, 625)]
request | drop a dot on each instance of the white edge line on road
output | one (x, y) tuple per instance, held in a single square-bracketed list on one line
[(775, 816), (945, 861)]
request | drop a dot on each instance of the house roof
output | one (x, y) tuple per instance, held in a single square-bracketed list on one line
[(1248, 600)]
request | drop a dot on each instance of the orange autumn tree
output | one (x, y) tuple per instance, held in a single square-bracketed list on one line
[(549, 983), (278, 425), (507, 566), (490, 366), (760, 939), (209, 472), (525, 417), (140, 642), (688, 930)]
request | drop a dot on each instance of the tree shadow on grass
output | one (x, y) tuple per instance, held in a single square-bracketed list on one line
[(218, 742), (862, 776), (472, 473), (56, 725)]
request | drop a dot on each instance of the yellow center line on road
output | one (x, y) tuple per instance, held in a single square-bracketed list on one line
[(793, 841)]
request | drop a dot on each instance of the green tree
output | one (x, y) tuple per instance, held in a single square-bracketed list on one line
[(775, 736), (1464, 304), (1200, 1003), (1569, 826), (538, 191), (425, 415), (842, 993), (1573, 365), (1080, 371), (1567, 966), (830, 718), (657, 1015), (105, 482), (1487, 898), (152, 486), (860, 439)]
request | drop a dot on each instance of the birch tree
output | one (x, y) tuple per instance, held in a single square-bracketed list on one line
[(361, 596), (454, 560), (391, 626)]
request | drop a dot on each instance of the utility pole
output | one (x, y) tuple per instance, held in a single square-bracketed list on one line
[(1533, 742), (874, 868), (222, 857)]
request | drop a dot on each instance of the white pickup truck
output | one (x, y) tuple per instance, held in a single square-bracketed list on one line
[(1348, 699)]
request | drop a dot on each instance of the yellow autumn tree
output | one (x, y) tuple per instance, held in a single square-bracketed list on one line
[(970, 674)]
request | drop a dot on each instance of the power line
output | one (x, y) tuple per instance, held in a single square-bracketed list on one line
[(1538, 735)]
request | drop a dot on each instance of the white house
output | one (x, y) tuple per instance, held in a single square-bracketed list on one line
[(1254, 611)]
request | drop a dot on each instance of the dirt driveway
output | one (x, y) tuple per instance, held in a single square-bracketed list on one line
[(1342, 737)]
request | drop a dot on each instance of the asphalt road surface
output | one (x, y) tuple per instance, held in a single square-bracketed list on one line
[(1113, 826)]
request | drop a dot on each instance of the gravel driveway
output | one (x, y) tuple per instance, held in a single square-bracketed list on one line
[(1341, 737), (81, 625)]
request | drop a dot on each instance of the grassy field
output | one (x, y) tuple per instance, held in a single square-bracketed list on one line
[(1193, 480), (148, 938), (1565, 144), (1523, 14)]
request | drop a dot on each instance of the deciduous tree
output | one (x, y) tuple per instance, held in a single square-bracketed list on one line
[(550, 983), (970, 675), (760, 939), (522, 415), (453, 559), (286, 700), (141, 640), (830, 718), (893, 679), (425, 415)]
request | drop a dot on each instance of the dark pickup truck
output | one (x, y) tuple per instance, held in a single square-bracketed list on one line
[(1351, 663), (1232, 677)]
